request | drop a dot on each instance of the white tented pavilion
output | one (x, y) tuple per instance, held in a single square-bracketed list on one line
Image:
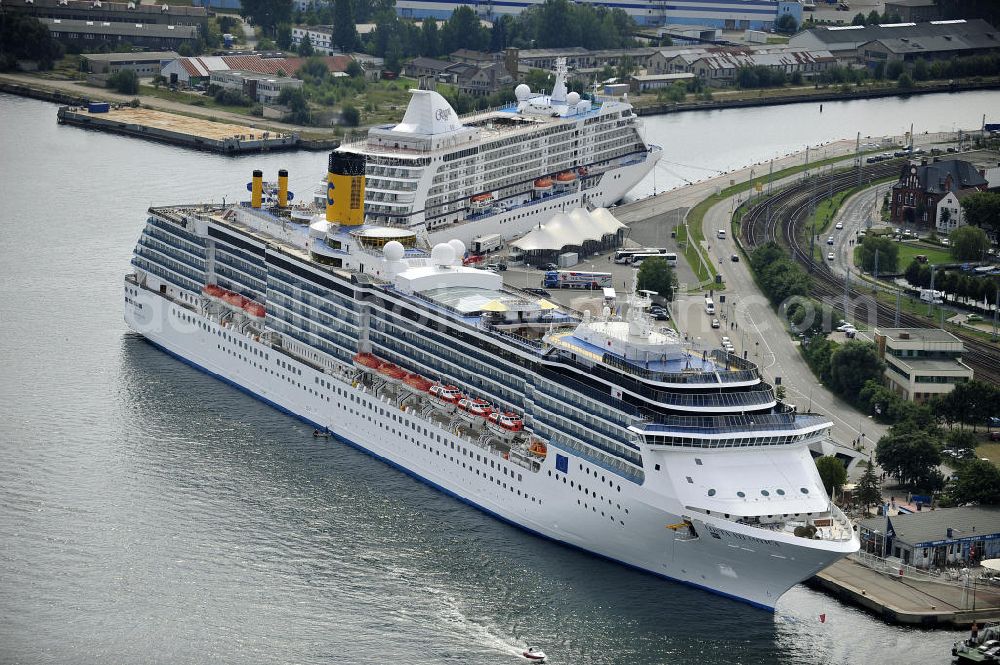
[(583, 231)]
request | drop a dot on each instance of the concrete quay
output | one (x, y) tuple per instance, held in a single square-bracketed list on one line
[(904, 599), (225, 138)]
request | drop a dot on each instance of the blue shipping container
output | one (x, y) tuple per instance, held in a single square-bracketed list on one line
[(99, 107)]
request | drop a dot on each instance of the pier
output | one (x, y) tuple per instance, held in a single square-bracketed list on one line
[(226, 138), (904, 595)]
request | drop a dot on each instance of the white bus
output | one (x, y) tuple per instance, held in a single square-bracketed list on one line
[(623, 256), (669, 257)]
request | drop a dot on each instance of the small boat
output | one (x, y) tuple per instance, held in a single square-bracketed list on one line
[(445, 398), (416, 384), (534, 654), (566, 177), (366, 362), (482, 201), (254, 309), (213, 291), (391, 373), (505, 425), (538, 448), (320, 434), (474, 410), (543, 184)]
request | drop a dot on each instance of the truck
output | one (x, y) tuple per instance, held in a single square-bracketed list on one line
[(486, 244), (568, 259), (931, 296), (572, 279)]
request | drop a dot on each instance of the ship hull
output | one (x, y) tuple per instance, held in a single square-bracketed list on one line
[(584, 508)]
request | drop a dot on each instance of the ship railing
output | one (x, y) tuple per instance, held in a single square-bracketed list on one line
[(723, 424), (534, 344), (698, 377)]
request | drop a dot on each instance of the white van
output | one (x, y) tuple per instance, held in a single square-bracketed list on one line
[(709, 306), (721, 234)]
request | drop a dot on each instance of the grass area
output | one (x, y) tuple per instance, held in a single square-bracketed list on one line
[(384, 101), (198, 101), (935, 255), (990, 451), (774, 39)]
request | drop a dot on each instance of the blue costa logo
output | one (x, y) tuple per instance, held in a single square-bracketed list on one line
[(329, 193)]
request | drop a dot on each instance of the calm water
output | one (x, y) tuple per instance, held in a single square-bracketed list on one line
[(149, 513)]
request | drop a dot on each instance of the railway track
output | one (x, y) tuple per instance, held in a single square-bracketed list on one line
[(779, 219)]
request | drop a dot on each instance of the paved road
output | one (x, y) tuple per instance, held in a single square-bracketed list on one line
[(249, 34)]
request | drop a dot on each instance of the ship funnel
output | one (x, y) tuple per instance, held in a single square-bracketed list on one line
[(282, 188), (345, 189), (257, 189)]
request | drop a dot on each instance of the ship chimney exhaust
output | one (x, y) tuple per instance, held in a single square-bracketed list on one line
[(282, 188), (345, 189), (257, 189)]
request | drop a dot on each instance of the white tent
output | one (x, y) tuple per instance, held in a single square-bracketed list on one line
[(573, 229)]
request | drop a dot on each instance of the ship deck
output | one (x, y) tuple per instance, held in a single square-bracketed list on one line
[(675, 363)]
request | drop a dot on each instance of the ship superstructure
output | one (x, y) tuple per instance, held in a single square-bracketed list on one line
[(607, 434), (501, 171)]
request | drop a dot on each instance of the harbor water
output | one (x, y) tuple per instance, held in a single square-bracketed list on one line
[(149, 513)]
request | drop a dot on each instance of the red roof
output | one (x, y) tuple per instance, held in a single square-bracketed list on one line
[(254, 63)]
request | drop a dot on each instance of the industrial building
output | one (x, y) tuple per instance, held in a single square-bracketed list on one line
[(725, 14), (111, 12), (90, 35), (262, 88), (146, 64), (921, 363)]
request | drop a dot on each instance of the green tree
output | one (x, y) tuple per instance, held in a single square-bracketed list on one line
[(958, 439), (921, 71), (656, 275), (354, 70), (859, 19), (832, 473), (888, 254), (463, 30), (978, 482), (869, 491), (345, 34), (26, 38), (786, 24), (295, 100), (852, 366), (873, 18), (982, 209), (351, 116), (284, 37), (267, 13), (125, 81), (968, 243), (430, 38), (904, 82), (893, 70), (909, 453), (305, 47), (877, 398)]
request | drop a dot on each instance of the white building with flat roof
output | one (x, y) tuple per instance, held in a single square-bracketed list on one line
[(921, 363)]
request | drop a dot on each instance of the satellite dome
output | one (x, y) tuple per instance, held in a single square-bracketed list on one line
[(393, 250), (573, 98), (443, 254), (522, 91), (459, 248)]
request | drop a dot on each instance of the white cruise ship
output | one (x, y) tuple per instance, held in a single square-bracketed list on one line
[(608, 435), (506, 170)]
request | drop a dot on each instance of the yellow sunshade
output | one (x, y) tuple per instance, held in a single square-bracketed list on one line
[(545, 304), (494, 306)]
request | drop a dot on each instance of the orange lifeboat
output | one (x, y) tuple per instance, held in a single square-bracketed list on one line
[(582, 171), (254, 309), (213, 290), (538, 448), (566, 177), (445, 398), (415, 383), (482, 198), (474, 410), (543, 184), (391, 373), (366, 362), (505, 425), (234, 299)]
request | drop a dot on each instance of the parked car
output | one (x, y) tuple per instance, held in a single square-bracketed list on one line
[(661, 315), (735, 258), (726, 340), (829, 241), (550, 266), (829, 257), (839, 226), (715, 323), (540, 292)]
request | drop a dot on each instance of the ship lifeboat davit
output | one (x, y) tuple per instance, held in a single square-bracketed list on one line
[(474, 410), (366, 362), (391, 373), (416, 384), (254, 310), (538, 448), (445, 398), (543, 184), (505, 425)]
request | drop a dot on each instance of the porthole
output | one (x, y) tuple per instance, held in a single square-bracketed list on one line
[(711, 492), (765, 493), (804, 490), (742, 495), (780, 492)]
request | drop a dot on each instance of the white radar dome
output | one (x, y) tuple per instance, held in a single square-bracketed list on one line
[(573, 98), (522, 91), (459, 248), (443, 254), (393, 251)]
